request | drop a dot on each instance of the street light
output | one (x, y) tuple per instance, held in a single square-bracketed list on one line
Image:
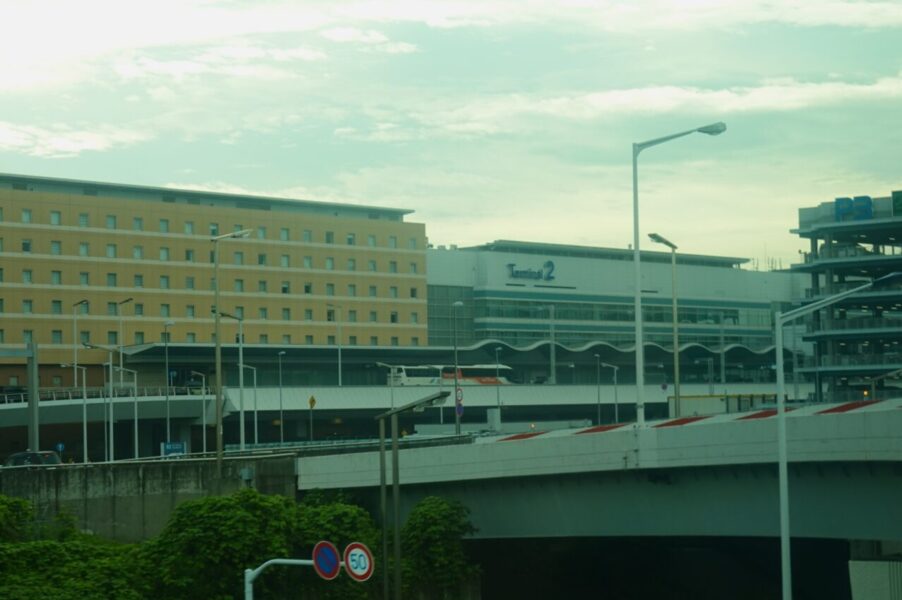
[(241, 434), (203, 399), (215, 241), (254, 369), (75, 340), (676, 321), (281, 413), (134, 375), (710, 361), (436, 399), (873, 380), (166, 327), (119, 306), (337, 308), (498, 381), (713, 129), (598, 388), (391, 381), (84, 408), (111, 454), (780, 320), (458, 393), (616, 404)]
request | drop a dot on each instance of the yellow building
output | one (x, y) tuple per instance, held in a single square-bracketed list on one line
[(142, 260)]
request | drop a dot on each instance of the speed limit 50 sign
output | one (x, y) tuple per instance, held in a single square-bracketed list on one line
[(358, 561)]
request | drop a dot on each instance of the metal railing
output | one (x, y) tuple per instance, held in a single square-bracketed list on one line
[(53, 394)]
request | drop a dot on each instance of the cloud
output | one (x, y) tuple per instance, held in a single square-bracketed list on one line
[(63, 141), (369, 39), (515, 113)]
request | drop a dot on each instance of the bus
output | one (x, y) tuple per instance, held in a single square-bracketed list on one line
[(444, 374)]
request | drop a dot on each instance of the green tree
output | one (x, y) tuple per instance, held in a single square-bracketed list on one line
[(208, 543), (16, 519), (435, 563), (71, 570), (341, 524)]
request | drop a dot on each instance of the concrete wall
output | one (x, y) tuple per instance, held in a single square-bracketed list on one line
[(130, 502)]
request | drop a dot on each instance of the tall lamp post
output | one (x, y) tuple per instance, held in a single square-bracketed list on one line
[(134, 375), (458, 393), (598, 388), (616, 404), (203, 396), (780, 320), (436, 399), (281, 412), (256, 432), (111, 455), (166, 327), (75, 341), (84, 410), (552, 350), (660, 239), (498, 379), (241, 433), (391, 382), (337, 310), (713, 129), (121, 344), (216, 333)]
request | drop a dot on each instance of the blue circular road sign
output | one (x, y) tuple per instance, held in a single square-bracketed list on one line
[(326, 560)]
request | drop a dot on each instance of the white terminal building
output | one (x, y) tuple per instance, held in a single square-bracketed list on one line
[(517, 296)]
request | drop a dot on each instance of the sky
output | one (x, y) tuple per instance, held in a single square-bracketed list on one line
[(491, 119)]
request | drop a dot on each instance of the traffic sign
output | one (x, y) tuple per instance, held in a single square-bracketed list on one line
[(326, 560), (60, 447), (358, 561), (311, 402)]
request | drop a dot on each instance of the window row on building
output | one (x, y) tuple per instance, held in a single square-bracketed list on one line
[(57, 338), (142, 223)]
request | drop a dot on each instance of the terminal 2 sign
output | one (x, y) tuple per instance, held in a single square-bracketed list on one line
[(543, 273)]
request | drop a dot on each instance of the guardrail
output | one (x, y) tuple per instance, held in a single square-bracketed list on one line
[(98, 392)]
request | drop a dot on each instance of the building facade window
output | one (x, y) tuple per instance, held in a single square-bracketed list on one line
[(111, 250), (56, 217), (164, 282), (111, 221)]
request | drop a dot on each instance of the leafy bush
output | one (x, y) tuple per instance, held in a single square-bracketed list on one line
[(432, 543)]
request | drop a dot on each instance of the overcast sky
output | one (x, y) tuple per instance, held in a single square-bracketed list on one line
[(506, 119)]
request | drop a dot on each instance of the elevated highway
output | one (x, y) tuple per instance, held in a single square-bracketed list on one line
[(693, 476)]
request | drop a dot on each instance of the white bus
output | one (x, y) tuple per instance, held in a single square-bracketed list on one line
[(444, 375)]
